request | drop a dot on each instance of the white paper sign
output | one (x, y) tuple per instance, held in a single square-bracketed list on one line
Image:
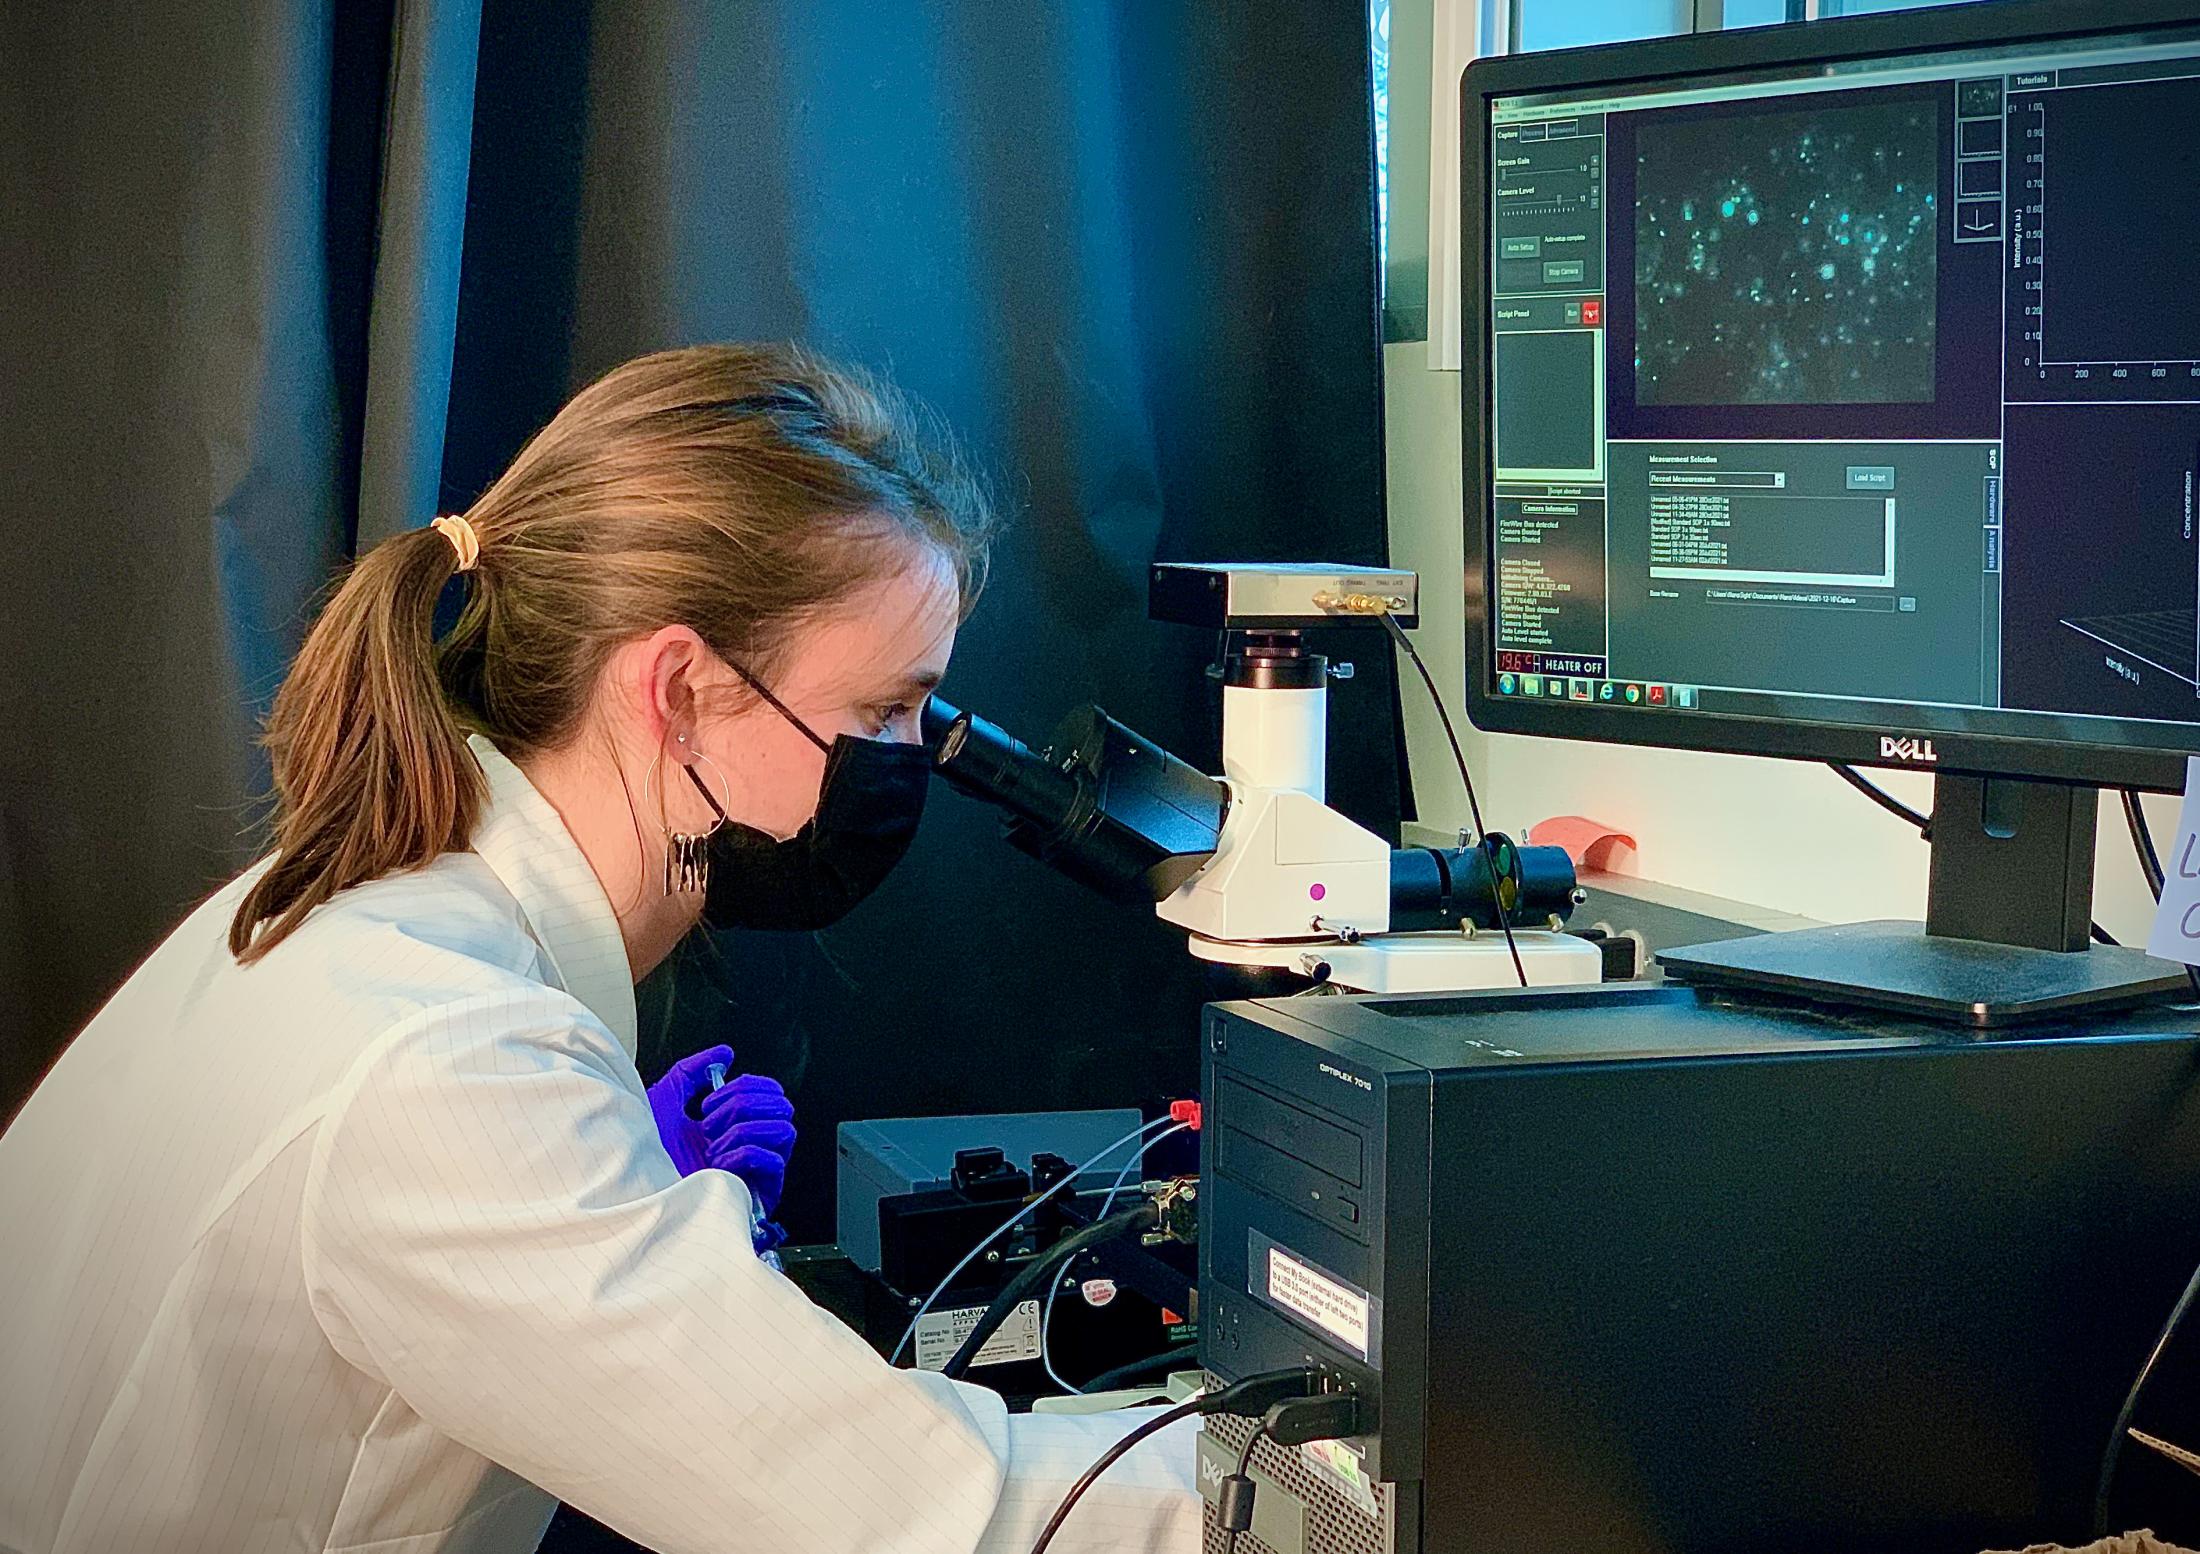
[(2176, 933), (1334, 1307)]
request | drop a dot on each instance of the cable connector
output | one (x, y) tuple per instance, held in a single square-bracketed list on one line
[(1186, 1112), (1255, 1395), (1176, 1204), (1327, 1416), (1360, 603)]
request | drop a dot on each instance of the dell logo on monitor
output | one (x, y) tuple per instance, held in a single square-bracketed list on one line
[(1904, 748)]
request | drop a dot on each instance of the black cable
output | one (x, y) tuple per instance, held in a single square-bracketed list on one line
[(1236, 1510), (1474, 806), (1924, 824), (2116, 1436), (1109, 1380), (2142, 840), (1108, 1459), (1254, 1394), (1139, 1216), (1883, 798)]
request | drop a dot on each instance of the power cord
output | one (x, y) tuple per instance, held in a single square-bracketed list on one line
[(1255, 1395), (1011, 1223), (1466, 778), (1140, 1217)]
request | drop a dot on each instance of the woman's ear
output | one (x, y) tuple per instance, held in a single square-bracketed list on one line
[(668, 665)]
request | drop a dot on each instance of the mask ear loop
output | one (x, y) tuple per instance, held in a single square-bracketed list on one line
[(780, 707), (687, 855), (716, 808)]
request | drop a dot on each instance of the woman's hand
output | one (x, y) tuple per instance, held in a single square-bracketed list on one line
[(749, 1130), (671, 1102)]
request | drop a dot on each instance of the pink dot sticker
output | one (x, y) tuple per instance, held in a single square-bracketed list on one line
[(1318, 891)]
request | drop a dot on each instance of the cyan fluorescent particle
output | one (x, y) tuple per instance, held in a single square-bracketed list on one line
[(1727, 316)]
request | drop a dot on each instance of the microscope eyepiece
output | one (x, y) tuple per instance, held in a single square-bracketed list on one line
[(1101, 805), (989, 763)]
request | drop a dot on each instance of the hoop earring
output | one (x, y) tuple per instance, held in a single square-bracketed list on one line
[(687, 856)]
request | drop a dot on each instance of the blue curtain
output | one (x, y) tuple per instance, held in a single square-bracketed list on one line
[(310, 271), (188, 208)]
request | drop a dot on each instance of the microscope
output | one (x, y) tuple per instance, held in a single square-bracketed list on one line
[(1264, 877)]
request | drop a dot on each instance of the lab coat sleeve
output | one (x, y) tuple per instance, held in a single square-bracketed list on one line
[(492, 1229)]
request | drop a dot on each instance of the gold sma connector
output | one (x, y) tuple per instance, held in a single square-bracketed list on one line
[(1360, 604)]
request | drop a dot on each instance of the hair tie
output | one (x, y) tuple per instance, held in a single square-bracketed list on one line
[(463, 540)]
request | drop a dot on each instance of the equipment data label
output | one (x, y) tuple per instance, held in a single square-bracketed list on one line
[(1330, 1305), (940, 1334)]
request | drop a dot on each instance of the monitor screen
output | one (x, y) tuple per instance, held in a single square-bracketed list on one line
[(1853, 395)]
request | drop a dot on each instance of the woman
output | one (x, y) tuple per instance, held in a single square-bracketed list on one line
[(348, 1222)]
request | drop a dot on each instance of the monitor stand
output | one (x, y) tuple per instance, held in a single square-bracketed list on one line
[(2005, 936)]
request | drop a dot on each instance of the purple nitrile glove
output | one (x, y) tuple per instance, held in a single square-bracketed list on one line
[(749, 1126), (669, 1099)]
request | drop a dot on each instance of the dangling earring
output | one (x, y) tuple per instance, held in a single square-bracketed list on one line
[(687, 856)]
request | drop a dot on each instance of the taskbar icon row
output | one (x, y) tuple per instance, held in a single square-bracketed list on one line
[(1615, 693)]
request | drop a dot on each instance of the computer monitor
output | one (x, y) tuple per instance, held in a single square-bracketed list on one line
[(1832, 391)]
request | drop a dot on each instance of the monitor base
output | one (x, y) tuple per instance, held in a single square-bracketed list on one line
[(1897, 966)]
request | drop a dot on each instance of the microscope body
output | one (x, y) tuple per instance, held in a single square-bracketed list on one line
[(1255, 866), (1298, 886)]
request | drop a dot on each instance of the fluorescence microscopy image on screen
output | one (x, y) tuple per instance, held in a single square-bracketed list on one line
[(1787, 258)]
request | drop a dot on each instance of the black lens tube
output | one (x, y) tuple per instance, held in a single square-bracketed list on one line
[(1441, 887), (987, 762)]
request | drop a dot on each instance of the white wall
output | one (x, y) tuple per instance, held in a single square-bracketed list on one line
[(1788, 835)]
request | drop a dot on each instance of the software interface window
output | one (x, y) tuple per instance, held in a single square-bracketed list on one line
[(1884, 392)]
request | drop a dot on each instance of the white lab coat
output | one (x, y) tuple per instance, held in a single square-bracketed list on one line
[(374, 1244)]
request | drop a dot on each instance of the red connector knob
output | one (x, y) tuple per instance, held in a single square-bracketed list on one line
[(1185, 1111)]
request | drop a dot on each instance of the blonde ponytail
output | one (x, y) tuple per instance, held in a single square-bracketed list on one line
[(370, 762)]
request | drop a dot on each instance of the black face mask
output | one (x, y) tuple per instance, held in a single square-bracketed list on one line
[(868, 808)]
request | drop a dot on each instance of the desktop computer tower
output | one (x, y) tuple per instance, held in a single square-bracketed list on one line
[(1646, 1269)]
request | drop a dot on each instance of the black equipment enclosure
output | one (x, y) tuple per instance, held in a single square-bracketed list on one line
[(1647, 1271)]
